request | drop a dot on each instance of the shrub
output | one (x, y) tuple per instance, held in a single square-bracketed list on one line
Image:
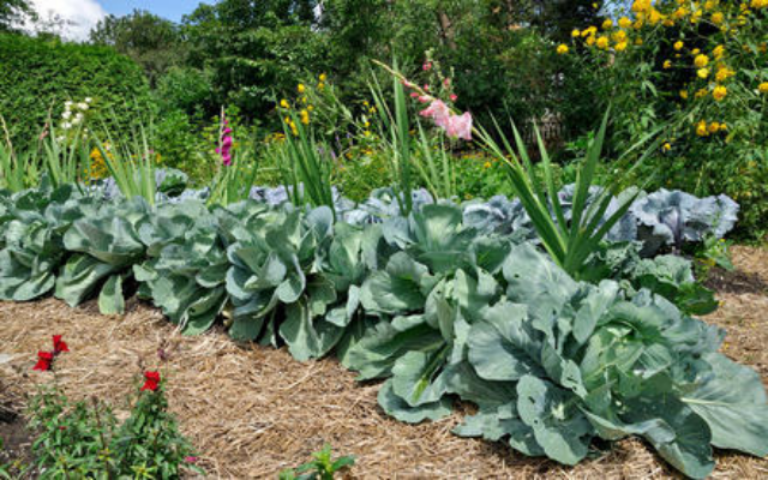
[(698, 70), (38, 76)]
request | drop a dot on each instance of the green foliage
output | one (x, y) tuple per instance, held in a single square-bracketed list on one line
[(70, 71), (84, 440), (570, 241), (322, 467)]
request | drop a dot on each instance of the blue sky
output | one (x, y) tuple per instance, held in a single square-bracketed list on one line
[(82, 15), (170, 9)]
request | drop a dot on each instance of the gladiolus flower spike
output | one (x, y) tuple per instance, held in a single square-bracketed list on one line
[(226, 141)]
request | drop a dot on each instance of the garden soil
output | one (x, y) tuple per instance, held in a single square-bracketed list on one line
[(251, 411)]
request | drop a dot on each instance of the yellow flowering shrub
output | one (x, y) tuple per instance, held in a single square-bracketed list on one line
[(697, 70)]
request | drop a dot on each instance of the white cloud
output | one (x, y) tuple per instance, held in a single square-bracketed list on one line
[(80, 15)]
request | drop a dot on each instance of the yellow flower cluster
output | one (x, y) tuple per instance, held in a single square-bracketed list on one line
[(703, 129)]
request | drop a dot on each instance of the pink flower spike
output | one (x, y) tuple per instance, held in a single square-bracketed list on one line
[(414, 95), (426, 87), (406, 83), (425, 99), (454, 97), (460, 126), (427, 66)]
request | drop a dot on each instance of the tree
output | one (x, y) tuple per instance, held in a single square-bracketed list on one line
[(13, 13), (151, 41)]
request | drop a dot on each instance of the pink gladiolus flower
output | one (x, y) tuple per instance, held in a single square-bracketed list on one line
[(406, 83), (414, 95), (460, 126), (454, 97), (427, 66), (425, 99), (226, 141), (426, 87), (439, 112)]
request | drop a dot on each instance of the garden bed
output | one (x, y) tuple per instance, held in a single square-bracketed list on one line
[(252, 411)]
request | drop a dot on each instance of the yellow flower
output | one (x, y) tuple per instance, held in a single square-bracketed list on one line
[(710, 5), (679, 45), (667, 64), (619, 36), (575, 33), (300, 88), (701, 93), (639, 41), (701, 129), (719, 93), (695, 51), (304, 117), (367, 133), (723, 127), (603, 43), (763, 87), (590, 41), (667, 147), (320, 86), (621, 46), (703, 72), (684, 94), (487, 165), (608, 24), (701, 61), (723, 74), (288, 120), (311, 108), (718, 18), (624, 22), (562, 49), (284, 103), (323, 77), (714, 127), (718, 52)]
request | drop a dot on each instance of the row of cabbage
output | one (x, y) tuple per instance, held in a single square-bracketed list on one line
[(452, 302)]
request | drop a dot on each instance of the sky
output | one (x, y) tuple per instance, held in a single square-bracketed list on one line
[(85, 14)]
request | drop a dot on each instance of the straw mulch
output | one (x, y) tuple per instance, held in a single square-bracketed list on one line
[(252, 411)]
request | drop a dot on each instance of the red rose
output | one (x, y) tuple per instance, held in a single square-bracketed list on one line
[(152, 381), (44, 360), (59, 345)]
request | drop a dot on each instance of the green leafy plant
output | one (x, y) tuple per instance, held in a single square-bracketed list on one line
[(322, 467), (132, 163), (83, 439), (570, 241)]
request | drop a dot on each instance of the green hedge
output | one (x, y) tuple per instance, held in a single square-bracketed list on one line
[(38, 76)]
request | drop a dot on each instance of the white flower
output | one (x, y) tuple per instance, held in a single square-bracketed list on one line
[(59, 139), (68, 104), (82, 106), (88, 99), (77, 120), (66, 125), (66, 115)]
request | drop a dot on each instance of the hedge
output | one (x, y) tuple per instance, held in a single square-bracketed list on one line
[(39, 75)]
